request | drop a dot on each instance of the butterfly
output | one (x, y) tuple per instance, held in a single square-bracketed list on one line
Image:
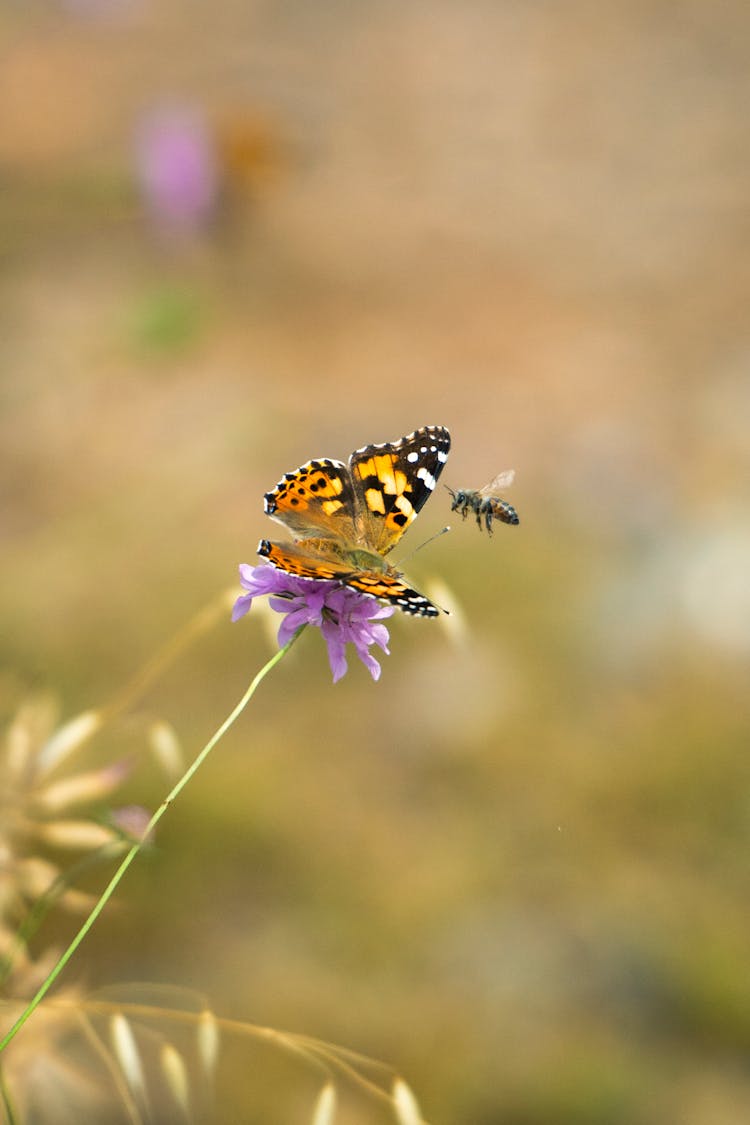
[(347, 518), (485, 502)]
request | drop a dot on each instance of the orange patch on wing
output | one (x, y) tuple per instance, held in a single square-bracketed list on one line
[(324, 486), (379, 585), (366, 469), (302, 568), (393, 480)]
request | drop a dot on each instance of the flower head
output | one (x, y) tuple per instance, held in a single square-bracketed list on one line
[(343, 616), (177, 169)]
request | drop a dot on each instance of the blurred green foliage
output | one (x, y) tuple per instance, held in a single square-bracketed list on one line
[(165, 320)]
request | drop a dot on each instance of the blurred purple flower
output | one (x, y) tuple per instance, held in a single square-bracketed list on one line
[(344, 616), (177, 169), (132, 821)]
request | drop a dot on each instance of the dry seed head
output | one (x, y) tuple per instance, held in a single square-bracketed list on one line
[(83, 834), (32, 879), (165, 745), (30, 805), (38, 1071), (405, 1104), (41, 1077), (454, 623), (69, 737), (90, 786), (12, 903), (29, 729), (325, 1106), (208, 1040), (35, 876), (175, 1073), (26, 976), (128, 1057), (77, 902)]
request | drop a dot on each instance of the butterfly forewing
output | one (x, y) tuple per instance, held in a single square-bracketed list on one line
[(316, 499), (392, 482)]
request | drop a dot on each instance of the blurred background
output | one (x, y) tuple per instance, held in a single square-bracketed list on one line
[(236, 236)]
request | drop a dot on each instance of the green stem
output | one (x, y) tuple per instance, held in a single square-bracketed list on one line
[(133, 852), (10, 1115)]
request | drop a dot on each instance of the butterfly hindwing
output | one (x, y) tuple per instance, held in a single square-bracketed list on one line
[(390, 588), (301, 561), (296, 559)]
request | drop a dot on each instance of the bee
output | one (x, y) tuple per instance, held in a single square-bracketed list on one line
[(484, 502)]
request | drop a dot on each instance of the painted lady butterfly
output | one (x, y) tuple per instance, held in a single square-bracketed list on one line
[(346, 518), (485, 502)]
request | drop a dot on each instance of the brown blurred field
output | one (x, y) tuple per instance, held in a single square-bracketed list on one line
[(517, 867)]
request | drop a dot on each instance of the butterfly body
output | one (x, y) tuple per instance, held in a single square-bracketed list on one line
[(346, 518), (485, 503)]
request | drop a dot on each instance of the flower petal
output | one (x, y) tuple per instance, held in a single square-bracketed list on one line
[(289, 627), (369, 662), (343, 615), (241, 606), (336, 649)]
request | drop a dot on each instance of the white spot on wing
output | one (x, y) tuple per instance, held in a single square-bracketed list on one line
[(427, 477)]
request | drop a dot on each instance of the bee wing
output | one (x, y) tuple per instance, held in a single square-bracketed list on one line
[(502, 480)]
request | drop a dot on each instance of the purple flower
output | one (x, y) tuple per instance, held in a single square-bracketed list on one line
[(344, 616), (132, 821), (177, 169)]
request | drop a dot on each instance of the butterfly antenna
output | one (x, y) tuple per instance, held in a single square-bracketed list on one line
[(424, 544)]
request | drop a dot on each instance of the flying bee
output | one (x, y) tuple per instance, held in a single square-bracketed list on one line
[(485, 503)]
